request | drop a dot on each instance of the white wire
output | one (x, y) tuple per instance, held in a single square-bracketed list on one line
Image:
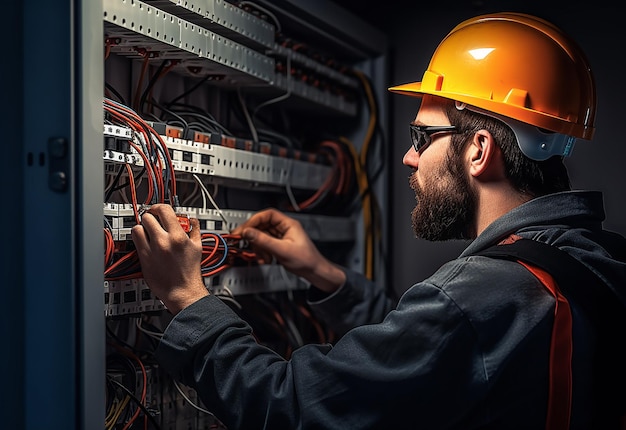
[(191, 196), (228, 291), (150, 333), (206, 193), (294, 330), (229, 296), (255, 135), (231, 300), (292, 198), (202, 191), (281, 97), (182, 393)]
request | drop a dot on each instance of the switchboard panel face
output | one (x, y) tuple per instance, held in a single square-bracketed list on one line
[(221, 109)]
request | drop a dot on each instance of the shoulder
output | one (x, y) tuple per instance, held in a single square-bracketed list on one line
[(484, 286)]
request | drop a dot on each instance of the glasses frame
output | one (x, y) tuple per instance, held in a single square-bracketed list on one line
[(421, 135)]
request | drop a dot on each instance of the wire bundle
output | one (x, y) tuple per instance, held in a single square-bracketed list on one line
[(122, 265), (221, 251), (339, 183), (149, 145)]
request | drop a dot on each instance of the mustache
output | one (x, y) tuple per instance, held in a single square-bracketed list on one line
[(414, 185), (412, 181)]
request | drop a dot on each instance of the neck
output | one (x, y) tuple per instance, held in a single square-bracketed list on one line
[(495, 200)]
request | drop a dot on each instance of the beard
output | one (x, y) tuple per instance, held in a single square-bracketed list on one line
[(445, 208)]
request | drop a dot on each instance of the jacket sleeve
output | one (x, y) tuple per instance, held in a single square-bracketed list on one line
[(375, 375), (359, 301)]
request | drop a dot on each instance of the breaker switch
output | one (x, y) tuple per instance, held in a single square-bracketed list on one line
[(184, 221)]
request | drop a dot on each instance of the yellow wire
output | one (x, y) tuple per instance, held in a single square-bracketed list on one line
[(110, 414), (117, 412), (363, 182), (373, 114)]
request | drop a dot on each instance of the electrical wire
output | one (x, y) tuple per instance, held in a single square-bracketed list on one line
[(142, 74), (281, 97), (228, 297), (116, 410), (152, 334), (249, 121), (191, 403), (368, 201), (190, 90), (152, 148), (164, 68), (140, 406), (196, 117), (222, 251), (336, 184), (140, 401), (292, 198), (365, 194), (109, 245), (205, 193)]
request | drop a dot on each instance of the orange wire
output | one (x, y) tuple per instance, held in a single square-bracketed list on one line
[(142, 75)]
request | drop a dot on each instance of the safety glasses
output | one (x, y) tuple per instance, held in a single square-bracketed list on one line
[(421, 134)]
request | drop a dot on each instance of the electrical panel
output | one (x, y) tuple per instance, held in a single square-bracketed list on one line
[(222, 108)]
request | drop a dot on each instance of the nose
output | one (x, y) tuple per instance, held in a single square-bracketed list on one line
[(411, 158)]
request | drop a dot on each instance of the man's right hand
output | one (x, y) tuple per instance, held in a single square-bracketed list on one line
[(274, 236)]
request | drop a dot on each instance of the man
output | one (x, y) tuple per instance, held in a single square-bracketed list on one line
[(502, 101)]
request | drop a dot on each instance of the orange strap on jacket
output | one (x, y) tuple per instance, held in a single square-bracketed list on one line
[(560, 390)]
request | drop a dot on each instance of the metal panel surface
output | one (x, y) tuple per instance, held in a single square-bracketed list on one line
[(139, 25)]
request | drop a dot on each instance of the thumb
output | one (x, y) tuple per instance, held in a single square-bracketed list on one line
[(250, 234), (258, 241)]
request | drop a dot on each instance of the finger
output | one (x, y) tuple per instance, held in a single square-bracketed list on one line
[(152, 225), (194, 234), (139, 236), (261, 240), (165, 215), (264, 258)]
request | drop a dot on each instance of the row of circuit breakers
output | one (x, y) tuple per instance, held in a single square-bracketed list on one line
[(215, 162), (240, 48)]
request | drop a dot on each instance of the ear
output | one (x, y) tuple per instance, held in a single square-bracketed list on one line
[(483, 156)]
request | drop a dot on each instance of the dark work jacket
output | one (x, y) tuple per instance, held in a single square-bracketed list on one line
[(466, 348)]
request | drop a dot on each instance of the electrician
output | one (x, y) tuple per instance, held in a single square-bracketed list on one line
[(503, 100)]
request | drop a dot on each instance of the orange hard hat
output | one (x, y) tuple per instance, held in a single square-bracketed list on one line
[(515, 66)]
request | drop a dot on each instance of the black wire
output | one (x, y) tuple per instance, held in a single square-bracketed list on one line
[(115, 93), (151, 417), (173, 114), (113, 187), (116, 337), (190, 90), (120, 187), (155, 77)]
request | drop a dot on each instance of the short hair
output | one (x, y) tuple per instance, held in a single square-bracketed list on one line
[(531, 177)]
